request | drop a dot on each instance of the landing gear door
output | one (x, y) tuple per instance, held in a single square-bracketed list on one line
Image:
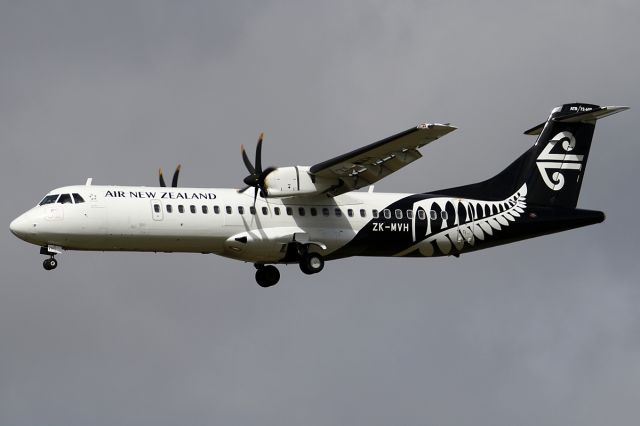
[(156, 210)]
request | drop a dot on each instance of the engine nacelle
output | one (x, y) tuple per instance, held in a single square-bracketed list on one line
[(296, 180)]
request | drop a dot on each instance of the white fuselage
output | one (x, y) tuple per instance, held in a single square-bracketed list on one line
[(199, 220)]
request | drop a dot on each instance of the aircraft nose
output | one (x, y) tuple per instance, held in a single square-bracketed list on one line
[(19, 226)]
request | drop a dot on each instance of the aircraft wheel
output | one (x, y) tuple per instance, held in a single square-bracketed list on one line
[(267, 276), (50, 264), (311, 263)]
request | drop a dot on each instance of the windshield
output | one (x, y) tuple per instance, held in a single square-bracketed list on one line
[(65, 199), (49, 199)]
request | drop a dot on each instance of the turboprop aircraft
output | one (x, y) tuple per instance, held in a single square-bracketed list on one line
[(306, 215)]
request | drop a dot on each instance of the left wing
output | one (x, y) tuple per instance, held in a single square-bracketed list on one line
[(373, 162)]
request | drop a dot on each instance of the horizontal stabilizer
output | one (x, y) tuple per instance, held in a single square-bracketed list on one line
[(591, 116), (580, 117)]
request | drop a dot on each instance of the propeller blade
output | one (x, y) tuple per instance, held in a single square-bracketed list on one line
[(257, 176), (161, 178), (174, 181), (246, 160), (265, 172), (259, 154)]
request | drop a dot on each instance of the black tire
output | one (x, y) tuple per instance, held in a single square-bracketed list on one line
[(267, 276), (50, 264), (272, 274), (303, 267), (261, 278), (311, 263)]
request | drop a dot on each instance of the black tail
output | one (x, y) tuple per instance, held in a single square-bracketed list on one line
[(554, 167)]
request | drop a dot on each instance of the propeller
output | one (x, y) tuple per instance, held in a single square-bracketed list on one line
[(257, 176), (174, 181)]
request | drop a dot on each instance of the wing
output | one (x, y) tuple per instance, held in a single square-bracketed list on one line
[(373, 162)]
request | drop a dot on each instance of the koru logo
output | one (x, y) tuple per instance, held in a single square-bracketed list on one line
[(547, 161)]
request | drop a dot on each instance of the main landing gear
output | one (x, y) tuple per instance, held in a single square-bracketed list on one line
[(268, 275), (311, 263)]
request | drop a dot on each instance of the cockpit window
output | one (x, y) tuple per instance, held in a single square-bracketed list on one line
[(77, 198), (49, 199), (65, 199)]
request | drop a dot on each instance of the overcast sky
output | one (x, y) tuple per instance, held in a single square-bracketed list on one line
[(539, 332)]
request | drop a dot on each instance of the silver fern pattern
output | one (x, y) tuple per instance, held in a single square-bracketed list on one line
[(471, 219)]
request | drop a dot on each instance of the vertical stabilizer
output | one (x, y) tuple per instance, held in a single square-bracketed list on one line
[(559, 157), (554, 167)]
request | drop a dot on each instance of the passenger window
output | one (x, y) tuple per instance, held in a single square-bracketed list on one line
[(265, 211), (363, 213), (301, 211), (65, 199), (169, 208), (433, 215), (49, 199), (289, 211), (444, 215), (325, 211), (314, 211), (421, 214), (409, 214), (276, 210), (398, 213), (228, 209), (192, 208), (338, 212), (205, 209), (156, 208), (252, 210), (240, 209), (77, 198), (350, 212), (181, 208), (386, 213), (216, 209), (375, 213)]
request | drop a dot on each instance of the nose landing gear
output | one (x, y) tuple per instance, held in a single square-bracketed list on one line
[(50, 263)]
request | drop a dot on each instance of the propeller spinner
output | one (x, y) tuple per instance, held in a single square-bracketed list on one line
[(174, 181), (257, 176)]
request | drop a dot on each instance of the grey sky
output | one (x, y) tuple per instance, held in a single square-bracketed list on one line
[(541, 332)]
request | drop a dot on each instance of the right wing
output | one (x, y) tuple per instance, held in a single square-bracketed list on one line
[(369, 164)]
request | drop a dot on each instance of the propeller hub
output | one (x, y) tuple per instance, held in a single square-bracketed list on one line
[(251, 180)]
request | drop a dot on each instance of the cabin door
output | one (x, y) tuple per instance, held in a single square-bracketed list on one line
[(156, 210)]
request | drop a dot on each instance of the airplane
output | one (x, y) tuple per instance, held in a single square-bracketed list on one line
[(310, 214)]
